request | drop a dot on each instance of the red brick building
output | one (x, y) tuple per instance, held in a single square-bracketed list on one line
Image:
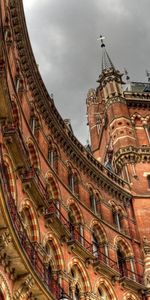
[(74, 221)]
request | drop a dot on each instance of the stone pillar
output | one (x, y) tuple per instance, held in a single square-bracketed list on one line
[(146, 249)]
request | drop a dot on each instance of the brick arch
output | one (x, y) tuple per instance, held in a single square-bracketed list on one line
[(33, 230), (130, 296), (54, 243), (117, 207), (137, 118), (106, 286), (76, 212), (33, 155), (52, 187), (15, 112), (99, 230), (10, 176), (85, 281), (4, 289), (123, 245)]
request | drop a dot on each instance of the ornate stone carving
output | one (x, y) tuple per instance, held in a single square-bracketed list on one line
[(22, 287)]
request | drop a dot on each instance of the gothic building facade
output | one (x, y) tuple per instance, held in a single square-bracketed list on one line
[(74, 221)]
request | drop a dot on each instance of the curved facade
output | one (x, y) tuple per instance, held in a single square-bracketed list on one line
[(74, 222)]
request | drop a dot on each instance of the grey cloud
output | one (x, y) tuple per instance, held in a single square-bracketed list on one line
[(63, 36)]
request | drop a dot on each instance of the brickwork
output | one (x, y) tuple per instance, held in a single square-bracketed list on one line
[(70, 228)]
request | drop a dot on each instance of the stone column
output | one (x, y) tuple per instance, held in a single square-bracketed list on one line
[(146, 250)]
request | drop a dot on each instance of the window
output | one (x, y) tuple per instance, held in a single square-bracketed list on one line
[(73, 182), (93, 202), (117, 219), (53, 158), (148, 180), (121, 263), (74, 292), (95, 245), (71, 223), (102, 294), (33, 124)]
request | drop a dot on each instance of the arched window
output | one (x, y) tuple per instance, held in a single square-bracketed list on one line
[(121, 262), (93, 203), (71, 223), (73, 182), (117, 219), (102, 294), (74, 290), (95, 245), (53, 158), (34, 125)]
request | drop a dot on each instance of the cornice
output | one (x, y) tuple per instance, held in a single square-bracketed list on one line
[(131, 155), (85, 161)]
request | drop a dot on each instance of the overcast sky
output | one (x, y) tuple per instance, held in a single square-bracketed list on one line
[(64, 34)]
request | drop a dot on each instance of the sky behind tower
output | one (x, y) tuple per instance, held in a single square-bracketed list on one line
[(63, 36)]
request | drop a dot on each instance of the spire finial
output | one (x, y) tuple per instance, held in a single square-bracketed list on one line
[(127, 74), (106, 61), (101, 38)]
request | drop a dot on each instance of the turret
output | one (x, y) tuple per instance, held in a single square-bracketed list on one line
[(115, 127)]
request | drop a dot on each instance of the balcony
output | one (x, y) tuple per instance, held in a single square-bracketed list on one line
[(31, 249), (16, 145), (79, 244), (105, 264), (132, 279), (56, 219), (34, 185)]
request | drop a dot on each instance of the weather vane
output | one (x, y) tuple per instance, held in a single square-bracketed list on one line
[(101, 38)]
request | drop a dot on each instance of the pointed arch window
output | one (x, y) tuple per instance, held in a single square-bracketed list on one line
[(74, 290), (53, 157), (71, 223), (93, 201), (73, 182), (102, 294), (117, 219), (121, 263), (95, 244)]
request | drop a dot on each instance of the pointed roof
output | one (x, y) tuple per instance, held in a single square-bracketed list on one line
[(106, 61)]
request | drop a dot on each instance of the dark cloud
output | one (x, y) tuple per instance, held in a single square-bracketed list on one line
[(63, 35)]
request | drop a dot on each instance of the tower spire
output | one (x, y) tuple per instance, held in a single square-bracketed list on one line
[(106, 61)]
